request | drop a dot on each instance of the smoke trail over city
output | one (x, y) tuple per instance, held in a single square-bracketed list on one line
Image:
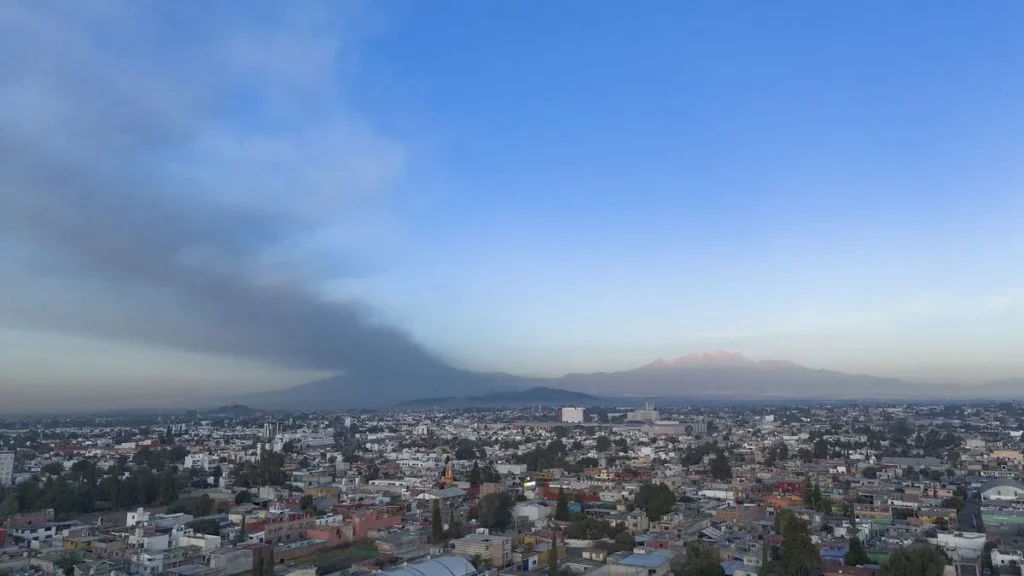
[(132, 210)]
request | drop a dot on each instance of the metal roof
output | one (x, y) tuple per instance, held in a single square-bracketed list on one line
[(447, 565)]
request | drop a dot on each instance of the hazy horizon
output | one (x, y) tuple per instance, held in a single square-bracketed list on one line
[(201, 200)]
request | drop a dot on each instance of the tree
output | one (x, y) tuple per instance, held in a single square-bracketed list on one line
[(720, 467), (436, 530), (553, 554), (923, 561), (562, 506), (603, 443), (495, 511), (66, 562), (9, 507), (798, 555), (306, 502), (207, 526), (701, 559), (242, 497), (856, 556), (808, 493), (656, 499), (268, 565), (474, 474), (588, 529), (52, 468), (624, 541), (168, 490), (986, 556), (870, 472), (820, 449)]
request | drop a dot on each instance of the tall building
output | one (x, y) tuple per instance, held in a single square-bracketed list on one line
[(648, 414), (6, 468), (573, 414)]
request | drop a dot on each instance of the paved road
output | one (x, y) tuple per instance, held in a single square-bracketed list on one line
[(969, 516)]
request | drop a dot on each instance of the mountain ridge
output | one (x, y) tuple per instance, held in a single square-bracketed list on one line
[(717, 375)]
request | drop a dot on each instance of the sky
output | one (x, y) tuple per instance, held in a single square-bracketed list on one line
[(209, 198)]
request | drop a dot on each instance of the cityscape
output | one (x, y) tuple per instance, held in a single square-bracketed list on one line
[(599, 490), (511, 288)]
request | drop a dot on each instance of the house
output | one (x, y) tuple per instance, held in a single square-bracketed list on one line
[(497, 549)]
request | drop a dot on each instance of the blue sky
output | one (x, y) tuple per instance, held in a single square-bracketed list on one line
[(545, 187), (601, 184)]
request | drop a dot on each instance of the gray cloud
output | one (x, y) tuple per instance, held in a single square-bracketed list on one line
[(130, 211)]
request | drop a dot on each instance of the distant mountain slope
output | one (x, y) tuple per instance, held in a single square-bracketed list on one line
[(341, 392), (232, 410), (718, 376), (538, 395)]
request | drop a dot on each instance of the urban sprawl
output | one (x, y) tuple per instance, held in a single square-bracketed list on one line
[(651, 491)]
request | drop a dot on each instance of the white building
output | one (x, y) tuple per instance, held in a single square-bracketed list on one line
[(534, 511), (504, 468), (140, 516), (203, 461), (648, 414), (6, 468), (573, 414), (1002, 489)]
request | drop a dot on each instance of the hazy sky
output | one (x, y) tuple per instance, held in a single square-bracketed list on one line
[(214, 197)]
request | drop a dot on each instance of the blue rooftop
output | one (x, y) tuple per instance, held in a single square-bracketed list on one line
[(649, 560)]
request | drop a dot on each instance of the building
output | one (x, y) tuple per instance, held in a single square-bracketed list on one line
[(572, 414), (496, 549), (287, 527), (1002, 489), (637, 522), (6, 468), (447, 565), (648, 414), (228, 561)]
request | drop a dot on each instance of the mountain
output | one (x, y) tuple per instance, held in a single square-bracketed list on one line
[(715, 358), (538, 395), (343, 392), (723, 375), (712, 376), (237, 410)]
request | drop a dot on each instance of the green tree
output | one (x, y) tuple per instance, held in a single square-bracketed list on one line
[(720, 467), (52, 468), (168, 490), (474, 474), (624, 541), (604, 443), (986, 556), (856, 556), (207, 526), (268, 565), (820, 451), (436, 530), (923, 561), (656, 499), (700, 559), (553, 554), (242, 497), (306, 502), (9, 507), (588, 529), (562, 506), (66, 562), (495, 511), (798, 555)]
